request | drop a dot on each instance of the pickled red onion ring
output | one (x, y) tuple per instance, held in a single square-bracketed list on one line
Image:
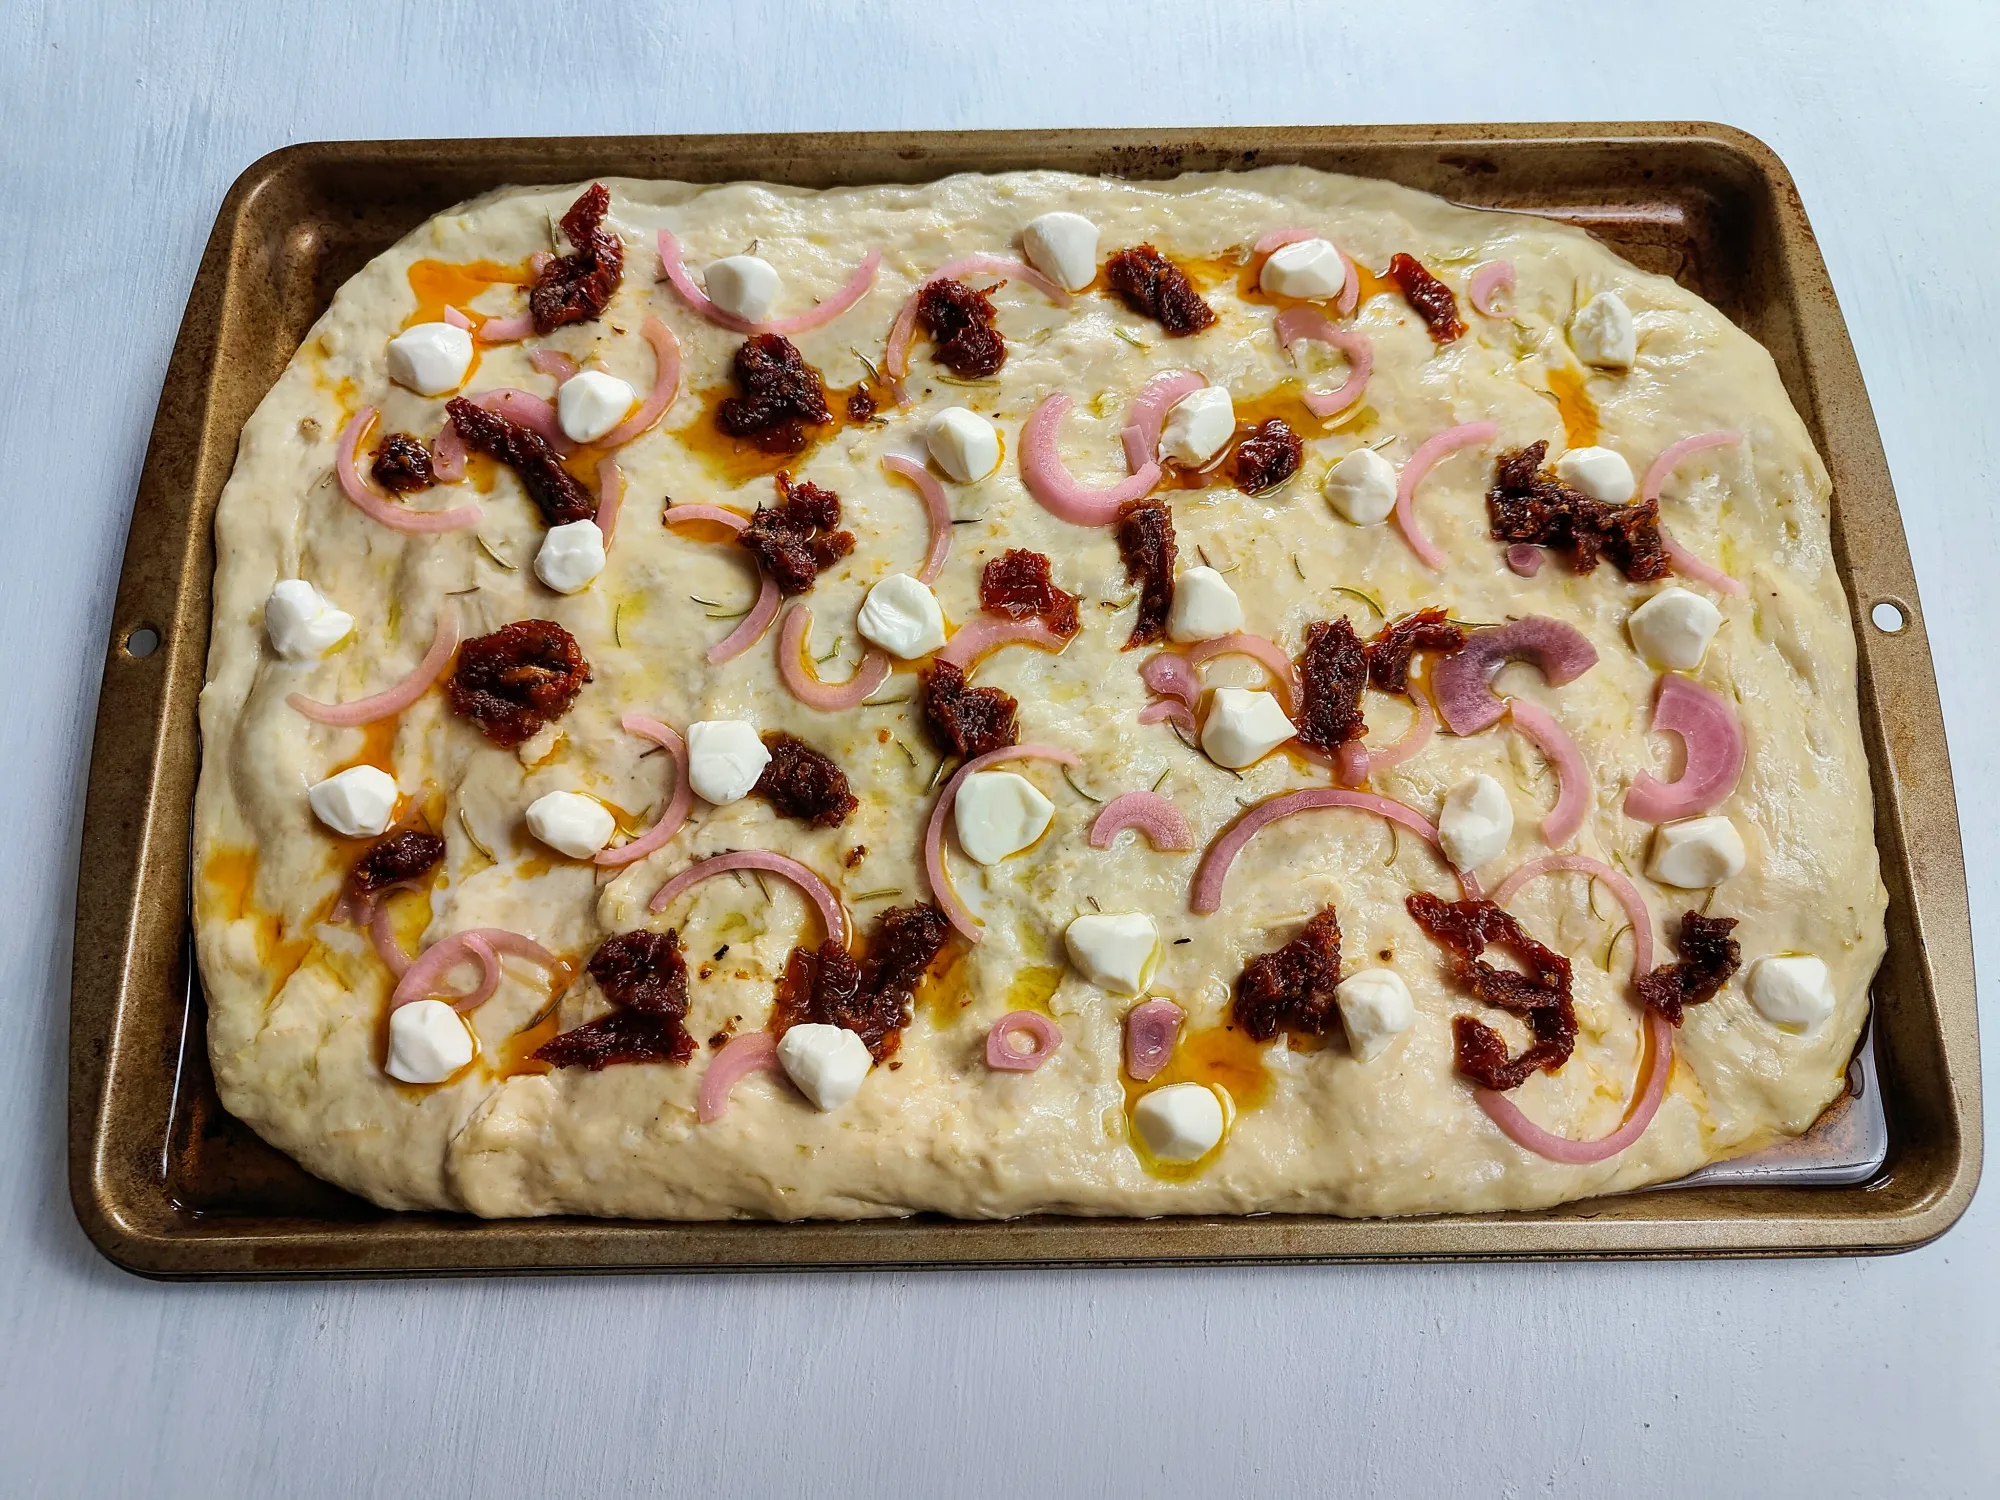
[(1146, 415), (936, 508), (1355, 762), (1620, 887), (1177, 714), (1524, 559), (673, 267), (376, 504), (489, 976), (1572, 775), (815, 890), (751, 628), (675, 812), (553, 362), (1163, 825), (1428, 454), (1003, 1055), (610, 495), (1463, 683), (1709, 728), (1150, 1027), (985, 633), (1170, 674), (1206, 893), (390, 701), (505, 330), (1309, 323), (1494, 276), (753, 1052), (1267, 652), (1649, 1089), (896, 356), (1277, 239), (1685, 562), (716, 513), (941, 891), (457, 319), (666, 385), (1043, 472), (382, 933), (805, 684), (424, 978)]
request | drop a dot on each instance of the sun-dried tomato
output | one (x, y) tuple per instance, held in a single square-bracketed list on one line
[(796, 538), (963, 720), (860, 405), (395, 859), (1709, 957), (959, 320), (1291, 989), (1146, 542), (556, 492), (1540, 992), (576, 287), (403, 465), (1153, 285), (1333, 669), (782, 396), (1430, 297), (1529, 504), (517, 679), (1395, 643), (1267, 457), (828, 987), (799, 782), (643, 975), (1018, 584)]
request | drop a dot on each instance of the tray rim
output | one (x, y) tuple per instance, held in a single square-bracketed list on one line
[(132, 810)]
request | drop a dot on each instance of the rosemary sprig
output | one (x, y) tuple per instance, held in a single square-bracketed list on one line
[(1077, 789), (498, 561)]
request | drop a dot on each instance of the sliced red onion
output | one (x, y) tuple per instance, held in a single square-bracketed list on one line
[(673, 266), (610, 496), (985, 633), (1428, 454), (805, 684), (676, 514), (1464, 683), (1309, 323), (390, 701), (1709, 728), (1206, 894), (675, 812), (507, 330), (1268, 652), (1146, 415), (1004, 1055), (1649, 1090), (816, 890), (751, 628), (666, 385), (753, 1052), (1171, 675), (1150, 1029), (1572, 775), (1355, 763), (489, 976), (1494, 276), (896, 357), (936, 508), (1277, 239), (1177, 714), (457, 319), (1626, 892), (1524, 559), (553, 363), (382, 933), (1685, 562), (424, 979), (374, 503), (941, 891), (1164, 826), (1047, 479)]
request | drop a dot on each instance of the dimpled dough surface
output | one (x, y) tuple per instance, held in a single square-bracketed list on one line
[(298, 1001)]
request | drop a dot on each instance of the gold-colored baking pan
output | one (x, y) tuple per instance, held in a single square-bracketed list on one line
[(167, 1184)]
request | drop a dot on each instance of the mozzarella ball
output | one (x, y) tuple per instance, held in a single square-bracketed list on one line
[(1674, 628), (902, 616), (828, 1063), (1375, 1009), (1362, 487), (427, 1042), (965, 445), (1792, 991), (1243, 726), (1310, 269), (571, 556), (1114, 950), (1063, 247), (571, 823), (302, 624), (1204, 607), (1181, 1122), (1600, 473), (1602, 334), (1198, 426), (725, 758), (744, 286), (1477, 822), (998, 813), (591, 403), (1696, 852), (430, 358), (356, 803)]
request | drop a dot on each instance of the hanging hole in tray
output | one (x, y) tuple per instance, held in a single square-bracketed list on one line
[(142, 642), (1889, 617)]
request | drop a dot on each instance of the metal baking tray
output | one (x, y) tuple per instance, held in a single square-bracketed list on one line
[(167, 1184)]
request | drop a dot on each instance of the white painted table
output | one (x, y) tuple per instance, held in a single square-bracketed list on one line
[(120, 128)]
